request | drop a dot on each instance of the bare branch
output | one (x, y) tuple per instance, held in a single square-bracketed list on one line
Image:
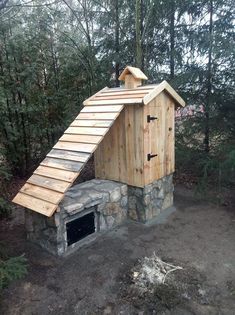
[(3, 4)]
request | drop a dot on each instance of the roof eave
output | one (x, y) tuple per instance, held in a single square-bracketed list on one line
[(164, 86), (92, 96)]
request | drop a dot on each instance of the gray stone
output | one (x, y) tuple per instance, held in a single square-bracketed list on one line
[(168, 187), (141, 211), (92, 204), (124, 201), (157, 184), (66, 201), (124, 190), (39, 222), (168, 201), (112, 202), (147, 199), (132, 213), (94, 194), (115, 195), (157, 203), (74, 207), (106, 197), (97, 181), (132, 202), (154, 193), (50, 221), (109, 221), (138, 192), (50, 234), (112, 208), (147, 189), (155, 212), (108, 186), (120, 216), (83, 199), (101, 207), (160, 194), (149, 213), (153, 199), (57, 219), (102, 223), (60, 250), (74, 193)]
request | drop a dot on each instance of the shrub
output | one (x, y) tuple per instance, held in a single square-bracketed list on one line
[(214, 168), (5, 208), (5, 176), (12, 269)]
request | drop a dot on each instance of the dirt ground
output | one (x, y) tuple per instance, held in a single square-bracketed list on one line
[(199, 236)]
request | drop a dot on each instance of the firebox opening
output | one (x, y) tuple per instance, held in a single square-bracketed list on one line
[(80, 228)]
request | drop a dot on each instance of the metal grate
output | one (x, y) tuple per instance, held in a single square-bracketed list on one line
[(80, 228)]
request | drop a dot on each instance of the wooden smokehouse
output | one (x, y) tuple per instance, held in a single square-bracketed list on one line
[(130, 130)]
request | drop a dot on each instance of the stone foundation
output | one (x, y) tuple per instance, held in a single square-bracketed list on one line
[(110, 202), (145, 204), (107, 199)]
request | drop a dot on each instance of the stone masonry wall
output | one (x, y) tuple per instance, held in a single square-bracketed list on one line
[(145, 204), (107, 199), (112, 203)]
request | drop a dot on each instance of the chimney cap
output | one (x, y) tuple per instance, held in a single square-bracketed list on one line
[(136, 72)]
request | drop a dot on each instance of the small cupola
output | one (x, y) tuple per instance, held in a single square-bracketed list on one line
[(132, 77)]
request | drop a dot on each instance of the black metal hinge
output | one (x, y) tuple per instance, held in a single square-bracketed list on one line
[(150, 156), (149, 118)]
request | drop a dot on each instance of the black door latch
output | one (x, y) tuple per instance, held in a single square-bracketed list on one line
[(150, 156), (149, 118)]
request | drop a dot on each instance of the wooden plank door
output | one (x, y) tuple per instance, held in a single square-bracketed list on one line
[(159, 138)]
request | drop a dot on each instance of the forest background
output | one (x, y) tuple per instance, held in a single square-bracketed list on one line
[(56, 53)]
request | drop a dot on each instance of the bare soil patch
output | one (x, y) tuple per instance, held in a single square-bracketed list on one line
[(199, 236)]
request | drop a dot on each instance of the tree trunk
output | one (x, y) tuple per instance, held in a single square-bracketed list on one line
[(141, 33), (117, 48), (89, 45), (209, 81), (172, 42), (138, 34)]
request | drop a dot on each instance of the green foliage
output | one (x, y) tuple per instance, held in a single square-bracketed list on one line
[(12, 269), (215, 169), (5, 176), (55, 55), (220, 168), (5, 173), (5, 208), (44, 76)]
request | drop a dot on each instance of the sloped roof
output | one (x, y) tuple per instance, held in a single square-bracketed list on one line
[(140, 95), (45, 189), (136, 72)]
